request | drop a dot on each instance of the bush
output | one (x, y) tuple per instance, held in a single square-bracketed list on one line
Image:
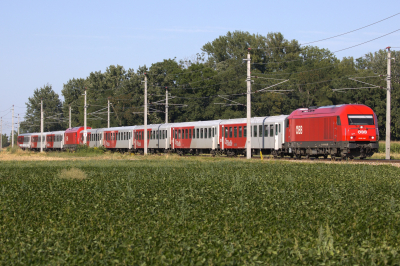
[(83, 149), (73, 173), (394, 147)]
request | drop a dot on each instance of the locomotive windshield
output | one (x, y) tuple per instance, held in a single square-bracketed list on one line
[(361, 120)]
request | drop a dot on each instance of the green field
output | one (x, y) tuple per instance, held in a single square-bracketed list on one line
[(198, 212)]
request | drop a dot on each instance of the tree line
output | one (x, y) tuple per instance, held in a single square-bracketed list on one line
[(212, 85)]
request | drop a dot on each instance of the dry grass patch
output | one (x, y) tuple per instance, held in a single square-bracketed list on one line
[(73, 173)]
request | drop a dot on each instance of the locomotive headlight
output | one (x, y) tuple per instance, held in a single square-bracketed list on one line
[(352, 137), (361, 127), (371, 137)]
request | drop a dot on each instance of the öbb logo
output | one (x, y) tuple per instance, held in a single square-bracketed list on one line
[(362, 132), (228, 142), (299, 130)]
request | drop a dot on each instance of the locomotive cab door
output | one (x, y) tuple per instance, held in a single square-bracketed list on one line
[(276, 136)]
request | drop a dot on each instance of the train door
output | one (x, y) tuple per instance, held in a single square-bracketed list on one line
[(222, 135), (276, 136), (334, 129), (213, 137)]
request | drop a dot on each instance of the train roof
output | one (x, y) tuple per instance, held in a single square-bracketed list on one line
[(76, 129), (256, 120), (331, 110)]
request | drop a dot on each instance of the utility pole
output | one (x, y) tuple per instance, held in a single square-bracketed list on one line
[(84, 122), (166, 105), (388, 92), (108, 113), (12, 127), (18, 125), (41, 126), (145, 113), (248, 150), (69, 116)]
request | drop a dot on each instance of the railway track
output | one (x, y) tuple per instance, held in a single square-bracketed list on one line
[(305, 160)]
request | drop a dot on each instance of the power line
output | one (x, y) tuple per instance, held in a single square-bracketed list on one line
[(350, 31), (366, 41)]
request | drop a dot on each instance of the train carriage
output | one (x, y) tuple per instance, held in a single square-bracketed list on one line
[(267, 135), (24, 140), (55, 140), (154, 137), (195, 137), (116, 138)]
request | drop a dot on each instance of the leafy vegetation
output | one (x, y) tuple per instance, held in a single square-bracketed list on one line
[(214, 212), (196, 85)]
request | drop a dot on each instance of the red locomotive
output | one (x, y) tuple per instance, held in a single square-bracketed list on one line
[(346, 131), (72, 137)]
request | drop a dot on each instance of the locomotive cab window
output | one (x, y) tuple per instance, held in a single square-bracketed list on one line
[(361, 119)]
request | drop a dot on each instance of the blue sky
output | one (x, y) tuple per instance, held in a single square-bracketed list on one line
[(54, 41)]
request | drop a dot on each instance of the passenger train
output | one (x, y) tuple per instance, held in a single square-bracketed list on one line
[(346, 131)]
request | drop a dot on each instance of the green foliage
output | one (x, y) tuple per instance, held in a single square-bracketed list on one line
[(394, 147), (183, 212), (52, 109), (4, 141), (85, 150), (13, 150), (212, 85)]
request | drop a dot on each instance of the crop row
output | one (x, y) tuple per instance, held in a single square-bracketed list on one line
[(187, 212)]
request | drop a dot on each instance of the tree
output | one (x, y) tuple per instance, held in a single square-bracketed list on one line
[(4, 141), (52, 109)]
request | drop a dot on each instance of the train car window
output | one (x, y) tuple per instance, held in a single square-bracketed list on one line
[(197, 134), (205, 133), (245, 131), (157, 134), (194, 135), (190, 133), (201, 133), (235, 132), (179, 134), (279, 128), (265, 131), (361, 120), (255, 131), (271, 130), (240, 132), (226, 132), (186, 134), (260, 133), (338, 122), (230, 132), (209, 133), (276, 129), (213, 131)]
